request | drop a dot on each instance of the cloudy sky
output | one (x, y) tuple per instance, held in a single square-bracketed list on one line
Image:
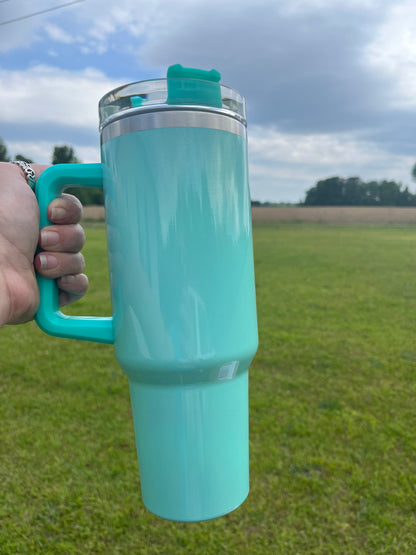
[(330, 85)]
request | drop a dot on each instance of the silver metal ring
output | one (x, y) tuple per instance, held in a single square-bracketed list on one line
[(142, 121), (30, 174)]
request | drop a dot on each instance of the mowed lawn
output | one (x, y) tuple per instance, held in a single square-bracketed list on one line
[(332, 416)]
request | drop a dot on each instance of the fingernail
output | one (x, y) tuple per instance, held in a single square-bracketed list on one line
[(49, 238), (58, 213), (47, 261), (66, 280)]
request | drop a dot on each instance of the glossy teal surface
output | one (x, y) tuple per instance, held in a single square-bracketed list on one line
[(193, 458), (178, 217), (183, 296)]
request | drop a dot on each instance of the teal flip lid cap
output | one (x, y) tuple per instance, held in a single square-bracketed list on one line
[(194, 86)]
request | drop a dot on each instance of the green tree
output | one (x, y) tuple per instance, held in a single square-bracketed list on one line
[(372, 193), (414, 173), (390, 194), (327, 192), (64, 154), (4, 157), (353, 192), (408, 198), (23, 158)]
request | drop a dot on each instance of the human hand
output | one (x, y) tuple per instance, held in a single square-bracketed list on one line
[(19, 235)]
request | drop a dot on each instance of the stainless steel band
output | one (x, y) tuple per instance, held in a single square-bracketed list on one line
[(172, 117)]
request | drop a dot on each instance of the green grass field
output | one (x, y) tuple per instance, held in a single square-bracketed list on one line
[(333, 414)]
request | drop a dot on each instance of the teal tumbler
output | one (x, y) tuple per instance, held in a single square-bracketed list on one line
[(178, 219)]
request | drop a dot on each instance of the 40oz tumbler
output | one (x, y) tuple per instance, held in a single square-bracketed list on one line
[(184, 327)]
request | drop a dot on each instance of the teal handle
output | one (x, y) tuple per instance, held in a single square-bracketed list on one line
[(49, 318)]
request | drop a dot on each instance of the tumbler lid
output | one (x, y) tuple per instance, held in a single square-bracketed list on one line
[(183, 87)]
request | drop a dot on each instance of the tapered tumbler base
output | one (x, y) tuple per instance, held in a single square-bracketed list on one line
[(192, 445)]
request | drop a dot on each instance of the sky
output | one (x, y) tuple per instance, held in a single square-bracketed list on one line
[(330, 85)]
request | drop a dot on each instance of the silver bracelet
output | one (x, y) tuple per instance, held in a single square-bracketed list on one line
[(30, 174)]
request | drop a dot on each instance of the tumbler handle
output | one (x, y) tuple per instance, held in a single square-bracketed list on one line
[(49, 318)]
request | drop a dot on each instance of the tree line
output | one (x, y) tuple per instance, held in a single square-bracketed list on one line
[(62, 154), (352, 191)]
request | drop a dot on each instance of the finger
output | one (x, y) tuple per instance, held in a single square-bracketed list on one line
[(65, 209), (68, 298), (62, 238), (57, 264), (71, 288)]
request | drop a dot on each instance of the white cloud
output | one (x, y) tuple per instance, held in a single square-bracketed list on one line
[(319, 150), (393, 51), (19, 34), (45, 94), (91, 22), (58, 34), (295, 7)]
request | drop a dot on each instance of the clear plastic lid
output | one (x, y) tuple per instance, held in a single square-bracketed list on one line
[(183, 87)]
